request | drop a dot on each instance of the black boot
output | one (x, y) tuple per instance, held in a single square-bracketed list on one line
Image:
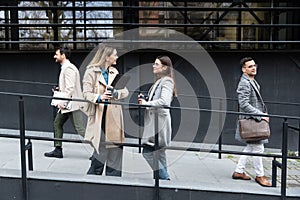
[(56, 153), (96, 167)]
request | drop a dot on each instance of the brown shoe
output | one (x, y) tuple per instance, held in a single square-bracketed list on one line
[(241, 176), (262, 180)]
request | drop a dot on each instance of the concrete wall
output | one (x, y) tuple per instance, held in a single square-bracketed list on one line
[(62, 189)]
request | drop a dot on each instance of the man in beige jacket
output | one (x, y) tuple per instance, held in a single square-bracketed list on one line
[(69, 87)]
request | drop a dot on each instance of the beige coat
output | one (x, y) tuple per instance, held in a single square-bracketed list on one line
[(93, 85), (69, 86)]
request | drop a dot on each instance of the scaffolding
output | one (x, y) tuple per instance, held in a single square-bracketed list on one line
[(215, 24)]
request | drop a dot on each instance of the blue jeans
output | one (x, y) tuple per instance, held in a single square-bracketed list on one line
[(162, 161)]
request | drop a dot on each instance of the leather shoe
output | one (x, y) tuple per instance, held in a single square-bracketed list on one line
[(241, 176), (56, 153), (262, 180)]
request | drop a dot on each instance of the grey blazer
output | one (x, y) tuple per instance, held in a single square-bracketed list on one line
[(160, 94), (250, 101)]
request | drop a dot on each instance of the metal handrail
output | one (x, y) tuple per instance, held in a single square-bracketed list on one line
[(165, 107), (182, 95), (153, 41), (128, 144), (149, 25), (181, 8)]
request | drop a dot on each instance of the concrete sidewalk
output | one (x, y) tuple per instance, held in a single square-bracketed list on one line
[(194, 170)]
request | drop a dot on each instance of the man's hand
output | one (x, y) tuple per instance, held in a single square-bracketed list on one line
[(55, 88), (265, 118)]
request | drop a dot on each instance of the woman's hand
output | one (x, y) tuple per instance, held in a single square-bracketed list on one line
[(106, 95), (141, 99)]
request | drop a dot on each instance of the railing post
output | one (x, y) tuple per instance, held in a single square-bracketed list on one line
[(140, 129), (22, 148), (284, 159), (220, 130), (274, 172), (29, 154), (74, 27), (299, 139), (55, 21), (155, 157), (185, 17), (275, 164)]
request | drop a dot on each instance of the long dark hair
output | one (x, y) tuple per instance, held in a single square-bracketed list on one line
[(166, 61)]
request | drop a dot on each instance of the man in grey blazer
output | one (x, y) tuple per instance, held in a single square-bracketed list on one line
[(69, 87), (250, 101)]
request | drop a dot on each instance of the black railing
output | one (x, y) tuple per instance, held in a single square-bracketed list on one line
[(28, 147), (275, 163), (222, 102), (23, 148), (296, 129), (220, 99)]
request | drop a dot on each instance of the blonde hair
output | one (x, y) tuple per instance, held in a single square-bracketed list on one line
[(100, 56)]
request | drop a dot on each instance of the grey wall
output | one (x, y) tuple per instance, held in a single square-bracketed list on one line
[(11, 188), (278, 75)]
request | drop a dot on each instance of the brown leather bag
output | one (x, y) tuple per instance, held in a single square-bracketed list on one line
[(252, 130)]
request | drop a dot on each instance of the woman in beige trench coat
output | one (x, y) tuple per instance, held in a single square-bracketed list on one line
[(105, 122)]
